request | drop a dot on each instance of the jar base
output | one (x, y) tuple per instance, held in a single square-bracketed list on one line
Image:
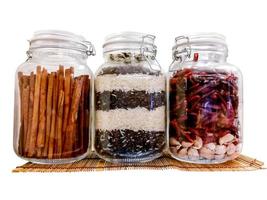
[(207, 161), (55, 161), (140, 159)]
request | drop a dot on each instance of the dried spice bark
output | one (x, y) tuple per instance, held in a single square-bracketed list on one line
[(42, 113), (35, 115), (25, 107), (51, 104), (70, 136), (30, 112), (49, 98)]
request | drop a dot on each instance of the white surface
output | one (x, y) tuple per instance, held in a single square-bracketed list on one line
[(242, 22)]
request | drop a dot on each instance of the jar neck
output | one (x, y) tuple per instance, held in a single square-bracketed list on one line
[(206, 56), (129, 47), (204, 47), (128, 57), (55, 54)]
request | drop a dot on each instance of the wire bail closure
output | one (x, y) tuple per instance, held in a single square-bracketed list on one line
[(144, 50), (181, 55), (91, 49), (28, 52)]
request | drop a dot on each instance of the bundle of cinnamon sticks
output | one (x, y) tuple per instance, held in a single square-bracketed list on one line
[(54, 120)]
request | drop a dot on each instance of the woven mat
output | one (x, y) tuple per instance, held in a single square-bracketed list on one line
[(242, 163)]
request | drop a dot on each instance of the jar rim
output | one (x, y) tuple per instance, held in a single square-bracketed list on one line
[(58, 34), (60, 39), (129, 40), (200, 38), (213, 41)]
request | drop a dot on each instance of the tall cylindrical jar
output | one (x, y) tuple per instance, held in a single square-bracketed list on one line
[(130, 100), (204, 101), (53, 104)]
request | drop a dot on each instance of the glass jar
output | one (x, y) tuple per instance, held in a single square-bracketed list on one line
[(130, 100), (204, 101), (53, 94)]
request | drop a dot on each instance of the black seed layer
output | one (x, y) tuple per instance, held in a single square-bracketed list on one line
[(128, 70), (109, 100), (128, 143)]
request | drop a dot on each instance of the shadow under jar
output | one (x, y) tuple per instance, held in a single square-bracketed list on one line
[(53, 99), (204, 101), (130, 100)]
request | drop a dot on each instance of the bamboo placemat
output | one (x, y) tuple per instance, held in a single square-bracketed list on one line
[(242, 163)]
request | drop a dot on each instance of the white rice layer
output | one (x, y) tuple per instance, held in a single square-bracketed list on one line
[(128, 82), (133, 119)]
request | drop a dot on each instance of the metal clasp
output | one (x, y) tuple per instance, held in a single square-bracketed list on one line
[(91, 49), (29, 53), (144, 50), (181, 55)]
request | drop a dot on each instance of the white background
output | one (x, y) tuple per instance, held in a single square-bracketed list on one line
[(242, 22)]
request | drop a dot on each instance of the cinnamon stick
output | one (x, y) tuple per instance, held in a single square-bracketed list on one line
[(67, 90), (21, 130), (58, 137), (48, 111), (53, 122), (42, 113), (36, 101), (30, 112), (81, 118), (25, 105), (80, 136), (72, 118), (79, 126), (87, 113), (59, 123)]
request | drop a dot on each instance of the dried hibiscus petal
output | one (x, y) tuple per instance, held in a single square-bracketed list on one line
[(204, 107)]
